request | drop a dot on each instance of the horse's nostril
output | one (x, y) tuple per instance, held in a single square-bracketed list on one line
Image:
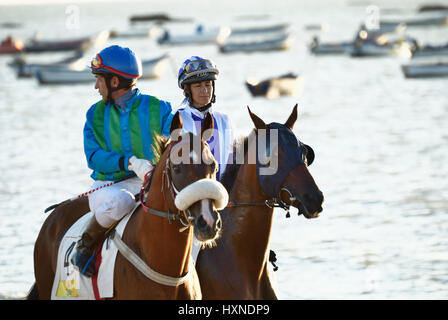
[(201, 222)]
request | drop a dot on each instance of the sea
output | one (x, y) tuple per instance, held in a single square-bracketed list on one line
[(381, 140)]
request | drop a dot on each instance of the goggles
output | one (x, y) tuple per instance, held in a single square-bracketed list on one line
[(96, 62), (198, 65)]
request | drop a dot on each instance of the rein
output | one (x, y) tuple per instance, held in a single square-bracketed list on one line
[(275, 202), (173, 190)]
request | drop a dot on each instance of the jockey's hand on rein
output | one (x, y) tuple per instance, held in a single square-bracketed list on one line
[(139, 166)]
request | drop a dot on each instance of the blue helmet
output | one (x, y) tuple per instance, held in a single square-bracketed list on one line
[(117, 60)]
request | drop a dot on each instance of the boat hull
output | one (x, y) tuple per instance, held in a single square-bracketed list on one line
[(425, 70)]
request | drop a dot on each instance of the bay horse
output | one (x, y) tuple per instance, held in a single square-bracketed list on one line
[(237, 267), (164, 244)]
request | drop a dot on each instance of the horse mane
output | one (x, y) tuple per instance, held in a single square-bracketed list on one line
[(240, 145), (159, 146)]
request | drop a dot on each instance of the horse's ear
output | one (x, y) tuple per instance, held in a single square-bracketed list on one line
[(207, 127), (292, 118), (259, 124), (176, 126)]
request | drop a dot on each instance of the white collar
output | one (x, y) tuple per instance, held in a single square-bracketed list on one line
[(195, 111)]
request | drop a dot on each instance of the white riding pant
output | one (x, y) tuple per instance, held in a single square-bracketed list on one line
[(112, 203)]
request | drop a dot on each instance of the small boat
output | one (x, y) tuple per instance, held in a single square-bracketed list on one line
[(327, 48), (64, 75), (200, 36), (152, 68), (138, 32), (259, 29), (368, 49), (157, 18), (429, 51), (281, 42), (432, 7), (376, 44), (429, 70), (422, 22), (287, 84), (10, 45), (27, 70), (81, 44)]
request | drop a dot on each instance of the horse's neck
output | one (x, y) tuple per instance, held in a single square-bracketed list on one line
[(163, 247), (250, 225)]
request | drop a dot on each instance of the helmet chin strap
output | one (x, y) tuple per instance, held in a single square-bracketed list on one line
[(204, 108), (110, 90)]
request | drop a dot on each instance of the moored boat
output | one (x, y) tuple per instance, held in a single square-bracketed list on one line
[(421, 22), (152, 68), (253, 30), (430, 50), (200, 36), (316, 47), (27, 70), (80, 44), (427, 70), (11, 45), (287, 84), (280, 42), (157, 18)]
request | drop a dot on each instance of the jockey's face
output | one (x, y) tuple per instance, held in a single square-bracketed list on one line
[(100, 84), (201, 93)]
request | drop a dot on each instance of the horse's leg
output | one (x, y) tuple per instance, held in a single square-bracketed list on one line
[(266, 292), (48, 240)]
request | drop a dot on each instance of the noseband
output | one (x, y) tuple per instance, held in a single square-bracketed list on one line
[(275, 202), (184, 217)]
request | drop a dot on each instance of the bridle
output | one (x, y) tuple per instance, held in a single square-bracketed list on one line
[(275, 202), (183, 216)]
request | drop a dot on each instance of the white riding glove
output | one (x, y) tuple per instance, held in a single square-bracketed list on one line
[(140, 166)]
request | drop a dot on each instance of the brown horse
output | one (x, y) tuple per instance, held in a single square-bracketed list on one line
[(237, 267), (163, 244)]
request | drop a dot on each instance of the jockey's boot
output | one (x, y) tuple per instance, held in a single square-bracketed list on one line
[(84, 256)]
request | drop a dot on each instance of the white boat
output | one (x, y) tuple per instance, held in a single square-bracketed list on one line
[(242, 31), (280, 42), (80, 44), (142, 32), (368, 49), (64, 75), (152, 68), (316, 47), (422, 22), (28, 70), (285, 85), (430, 51), (430, 70), (200, 36)]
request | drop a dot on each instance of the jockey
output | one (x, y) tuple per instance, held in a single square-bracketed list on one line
[(197, 80), (118, 138)]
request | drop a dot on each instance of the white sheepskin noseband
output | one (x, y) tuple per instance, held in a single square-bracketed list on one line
[(202, 189)]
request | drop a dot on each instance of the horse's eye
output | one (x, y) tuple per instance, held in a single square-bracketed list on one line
[(176, 168)]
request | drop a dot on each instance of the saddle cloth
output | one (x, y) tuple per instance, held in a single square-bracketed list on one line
[(69, 284)]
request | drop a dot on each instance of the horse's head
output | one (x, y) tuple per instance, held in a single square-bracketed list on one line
[(282, 166), (190, 174)]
